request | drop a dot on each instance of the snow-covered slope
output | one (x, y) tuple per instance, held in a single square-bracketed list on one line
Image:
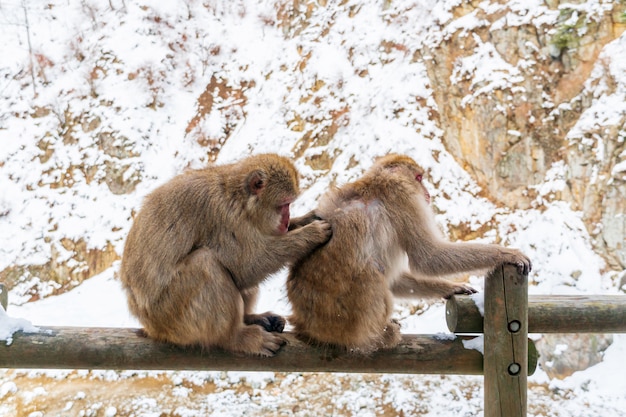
[(102, 101)]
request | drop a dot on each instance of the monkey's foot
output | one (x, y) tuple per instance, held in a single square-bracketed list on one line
[(391, 334), (253, 340), (269, 321), (271, 344), (461, 289)]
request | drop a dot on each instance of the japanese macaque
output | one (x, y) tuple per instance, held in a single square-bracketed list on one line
[(385, 243), (202, 243)]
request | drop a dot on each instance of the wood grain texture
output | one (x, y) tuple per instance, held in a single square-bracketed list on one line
[(506, 351), (122, 348), (549, 314)]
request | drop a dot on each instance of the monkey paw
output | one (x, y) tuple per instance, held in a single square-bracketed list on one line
[(320, 230), (269, 321), (273, 323), (253, 340), (271, 344), (461, 289), (521, 261), (524, 267), (391, 334)]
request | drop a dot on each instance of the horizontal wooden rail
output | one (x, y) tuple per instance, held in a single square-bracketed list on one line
[(122, 348), (549, 314)]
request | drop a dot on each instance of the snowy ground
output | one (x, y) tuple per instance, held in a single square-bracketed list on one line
[(136, 72)]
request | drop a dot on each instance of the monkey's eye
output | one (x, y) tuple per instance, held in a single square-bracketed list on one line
[(418, 177)]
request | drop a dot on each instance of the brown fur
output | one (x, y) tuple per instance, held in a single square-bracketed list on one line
[(201, 245), (342, 293)]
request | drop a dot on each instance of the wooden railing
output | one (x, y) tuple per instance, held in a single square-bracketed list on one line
[(509, 356)]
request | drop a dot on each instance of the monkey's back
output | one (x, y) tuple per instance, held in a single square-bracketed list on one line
[(338, 293), (164, 232)]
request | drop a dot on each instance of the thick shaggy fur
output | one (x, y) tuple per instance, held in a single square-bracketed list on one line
[(385, 243), (201, 245)]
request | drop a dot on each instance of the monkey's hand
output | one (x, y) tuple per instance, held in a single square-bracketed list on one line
[(318, 231), (298, 222), (517, 258)]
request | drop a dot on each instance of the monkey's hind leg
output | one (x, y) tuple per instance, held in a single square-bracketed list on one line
[(241, 337), (214, 316), (244, 337)]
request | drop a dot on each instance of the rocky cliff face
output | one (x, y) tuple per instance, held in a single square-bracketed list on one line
[(550, 76)]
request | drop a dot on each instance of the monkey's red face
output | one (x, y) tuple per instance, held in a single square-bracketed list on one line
[(283, 214), (418, 178), (284, 218)]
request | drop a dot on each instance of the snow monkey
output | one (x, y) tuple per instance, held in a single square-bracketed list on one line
[(385, 243), (202, 243)]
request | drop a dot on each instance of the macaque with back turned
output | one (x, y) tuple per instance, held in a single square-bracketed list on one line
[(385, 244)]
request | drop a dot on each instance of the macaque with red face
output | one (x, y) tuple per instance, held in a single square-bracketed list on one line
[(203, 242), (385, 244)]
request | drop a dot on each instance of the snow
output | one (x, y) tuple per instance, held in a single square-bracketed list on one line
[(476, 343), (98, 302), (486, 69), (136, 71), (10, 325), (479, 300)]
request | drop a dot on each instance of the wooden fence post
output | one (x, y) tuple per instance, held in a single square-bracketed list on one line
[(506, 345)]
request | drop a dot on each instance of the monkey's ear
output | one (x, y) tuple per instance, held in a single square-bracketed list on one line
[(256, 182)]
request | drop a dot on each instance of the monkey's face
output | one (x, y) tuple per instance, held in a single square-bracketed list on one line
[(277, 197), (419, 177), (405, 166), (272, 186), (283, 225), (271, 216)]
